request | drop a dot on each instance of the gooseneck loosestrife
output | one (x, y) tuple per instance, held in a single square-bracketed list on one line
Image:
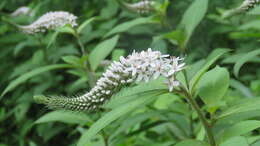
[(247, 5), (136, 67), (50, 21)]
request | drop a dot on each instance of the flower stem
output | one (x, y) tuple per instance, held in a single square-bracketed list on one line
[(90, 74), (202, 118)]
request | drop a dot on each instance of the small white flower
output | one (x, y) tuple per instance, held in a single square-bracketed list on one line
[(172, 83)]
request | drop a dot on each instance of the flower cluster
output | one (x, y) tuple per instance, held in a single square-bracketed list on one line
[(22, 11), (249, 4), (136, 67), (142, 7), (49, 21)]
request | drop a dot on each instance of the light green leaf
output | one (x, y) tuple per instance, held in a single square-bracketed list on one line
[(192, 17), (241, 88), (210, 60), (245, 58), (84, 24), (245, 105), (73, 60), (32, 73), (191, 142), (101, 51), (239, 129), (117, 53), (65, 117), (115, 114), (236, 141), (213, 86), (127, 25), (165, 100)]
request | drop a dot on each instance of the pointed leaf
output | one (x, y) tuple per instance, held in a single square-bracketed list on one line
[(239, 129), (84, 24), (210, 60), (245, 105), (127, 25), (213, 86), (245, 58), (236, 141), (32, 73), (101, 51), (65, 117), (192, 17)]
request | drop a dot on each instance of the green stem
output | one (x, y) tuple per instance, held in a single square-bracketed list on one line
[(202, 118), (44, 49), (90, 74)]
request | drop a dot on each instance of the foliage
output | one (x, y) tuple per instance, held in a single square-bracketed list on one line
[(220, 92)]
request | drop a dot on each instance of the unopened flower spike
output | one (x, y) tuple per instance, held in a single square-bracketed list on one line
[(50, 21), (247, 5), (137, 67), (141, 7)]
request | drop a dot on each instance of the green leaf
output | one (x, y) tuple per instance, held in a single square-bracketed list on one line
[(117, 53), (115, 114), (101, 51), (241, 88), (192, 17), (127, 25), (129, 94), (236, 141), (210, 60), (245, 58), (164, 101), (84, 24), (213, 86), (191, 142), (245, 105), (67, 29), (131, 121), (65, 117), (73, 60), (255, 24), (176, 37), (32, 73), (239, 129)]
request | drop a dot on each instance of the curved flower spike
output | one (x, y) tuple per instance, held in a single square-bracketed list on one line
[(142, 7), (245, 6), (136, 67), (50, 21)]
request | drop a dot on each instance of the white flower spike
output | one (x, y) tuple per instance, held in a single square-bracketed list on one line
[(136, 67), (50, 21)]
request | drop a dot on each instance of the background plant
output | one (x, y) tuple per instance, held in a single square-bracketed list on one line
[(222, 74)]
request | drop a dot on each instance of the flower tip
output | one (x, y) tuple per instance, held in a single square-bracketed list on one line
[(41, 99)]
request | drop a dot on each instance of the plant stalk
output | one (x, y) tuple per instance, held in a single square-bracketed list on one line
[(202, 118), (90, 74)]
